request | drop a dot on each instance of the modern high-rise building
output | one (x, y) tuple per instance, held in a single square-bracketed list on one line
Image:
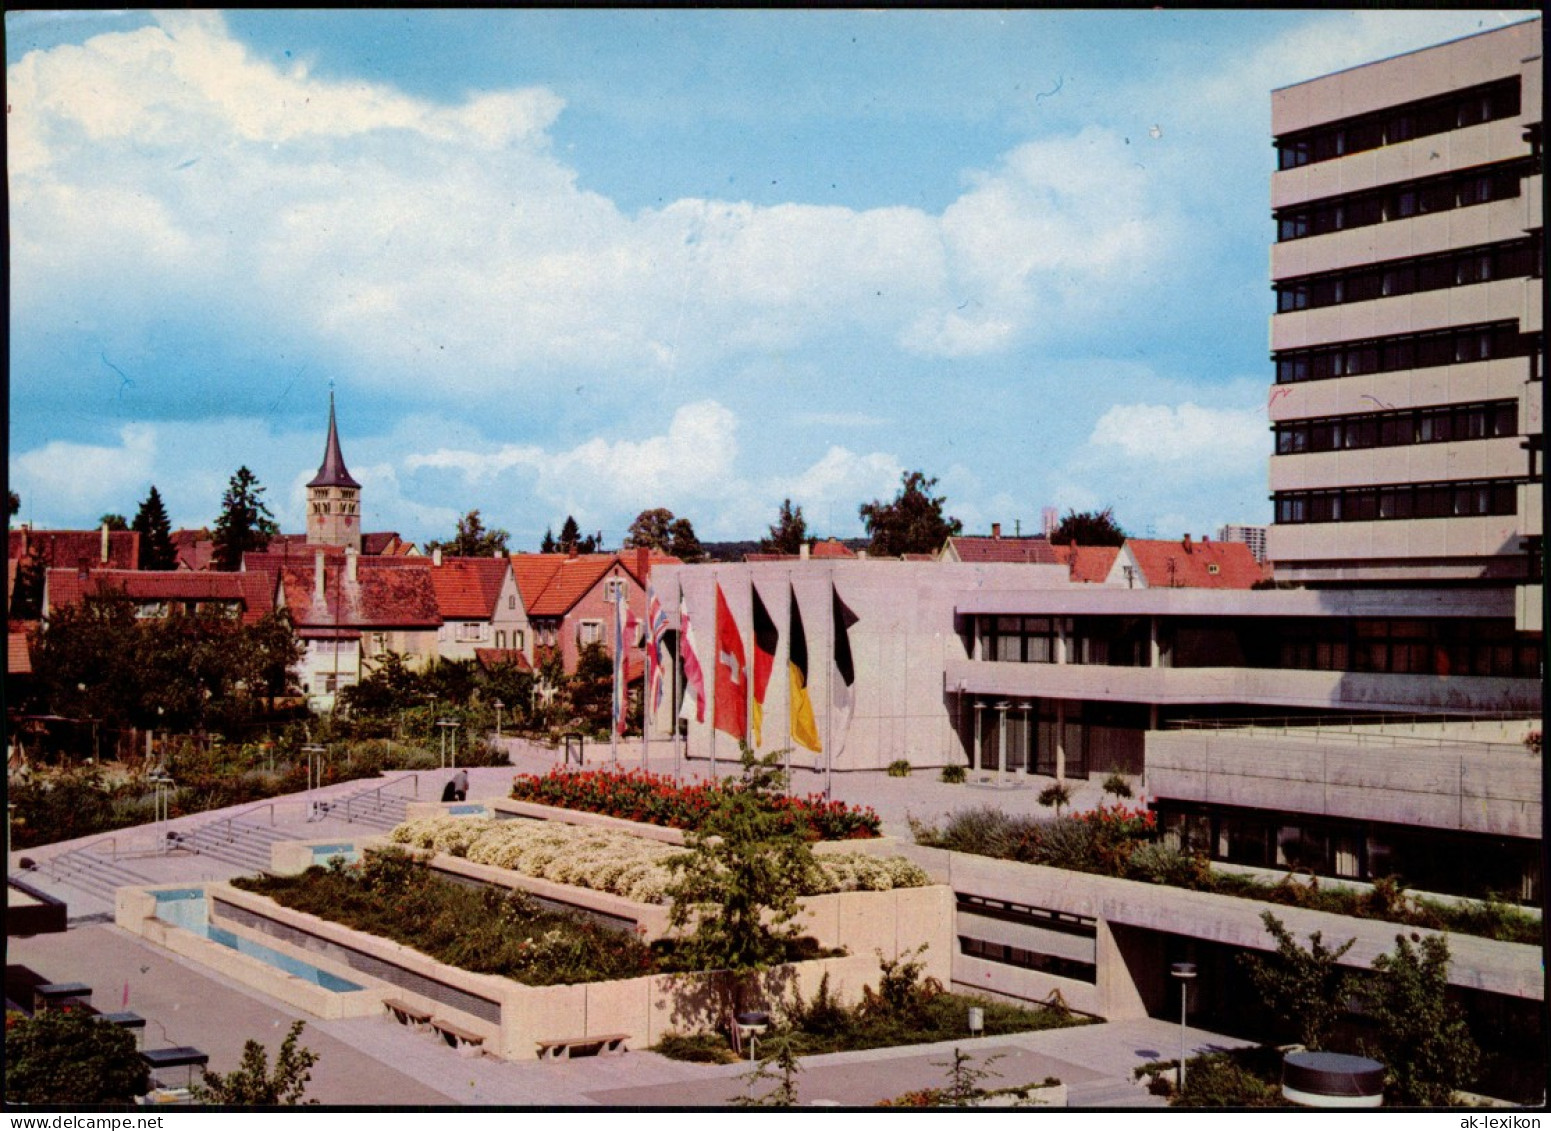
[(1407, 336), (1252, 536)]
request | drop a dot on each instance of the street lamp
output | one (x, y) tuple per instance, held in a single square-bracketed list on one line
[(444, 725), (1185, 972), (498, 706), (314, 752)]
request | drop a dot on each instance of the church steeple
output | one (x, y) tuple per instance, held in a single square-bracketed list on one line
[(333, 472), (334, 498)]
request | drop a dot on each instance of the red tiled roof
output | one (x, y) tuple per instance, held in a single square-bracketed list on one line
[(1192, 562), (1088, 564), (386, 593), (73, 548), (832, 548), (195, 548), (468, 588), (253, 591), (489, 658), (763, 557), (386, 544), (18, 656), (1027, 550)]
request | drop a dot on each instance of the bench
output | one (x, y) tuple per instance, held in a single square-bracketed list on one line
[(599, 1044), (406, 1014), (458, 1038), (57, 993)]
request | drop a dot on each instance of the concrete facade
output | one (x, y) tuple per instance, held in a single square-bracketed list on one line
[(1407, 340)]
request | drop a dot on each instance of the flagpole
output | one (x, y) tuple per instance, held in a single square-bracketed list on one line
[(649, 660), (715, 662), (829, 715), (616, 711), (748, 677), (791, 597)]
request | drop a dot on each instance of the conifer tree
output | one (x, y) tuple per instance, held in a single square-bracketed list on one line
[(245, 523), (156, 548)]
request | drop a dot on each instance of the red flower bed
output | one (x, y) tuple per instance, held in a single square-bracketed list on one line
[(657, 799)]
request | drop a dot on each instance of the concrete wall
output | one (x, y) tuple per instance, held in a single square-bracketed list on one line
[(1469, 787)]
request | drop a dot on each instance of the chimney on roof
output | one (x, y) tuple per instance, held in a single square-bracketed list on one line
[(1186, 544), (643, 563), (350, 559), (317, 575), (996, 530), (1205, 538), (105, 543), (436, 556)]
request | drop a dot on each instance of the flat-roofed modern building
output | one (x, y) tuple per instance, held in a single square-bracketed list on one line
[(1407, 336)]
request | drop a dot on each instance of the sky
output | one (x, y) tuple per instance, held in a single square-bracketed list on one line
[(587, 263)]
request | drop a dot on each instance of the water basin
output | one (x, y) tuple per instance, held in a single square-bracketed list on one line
[(187, 909)]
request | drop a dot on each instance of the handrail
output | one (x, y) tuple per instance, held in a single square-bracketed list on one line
[(1359, 738), (1314, 721)]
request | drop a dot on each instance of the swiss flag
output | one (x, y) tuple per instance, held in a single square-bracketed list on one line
[(732, 674)]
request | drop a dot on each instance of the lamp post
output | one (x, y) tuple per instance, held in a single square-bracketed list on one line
[(1185, 972), (314, 752), (445, 725), (498, 706)]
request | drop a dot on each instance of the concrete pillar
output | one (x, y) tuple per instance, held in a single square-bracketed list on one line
[(1060, 729), (1060, 627), (1153, 653), (975, 754), (1001, 739)]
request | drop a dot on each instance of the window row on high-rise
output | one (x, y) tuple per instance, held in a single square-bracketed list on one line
[(1513, 259), (1456, 345), (1432, 425), (1453, 499), (1458, 109), (1404, 199)]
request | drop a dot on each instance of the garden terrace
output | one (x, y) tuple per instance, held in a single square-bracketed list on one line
[(1122, 843), (658, 799)]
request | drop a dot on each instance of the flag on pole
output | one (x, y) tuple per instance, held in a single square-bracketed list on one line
[(732, 696), (622, 632), (765, 639), (656, 654), (804, 729), (694, 675), (843, 694)]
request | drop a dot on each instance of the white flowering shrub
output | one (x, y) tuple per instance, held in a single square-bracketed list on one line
[(614, 862)]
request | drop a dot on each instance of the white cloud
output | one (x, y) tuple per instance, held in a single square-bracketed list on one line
[(1201, 442), (400, 234), (63, 478)]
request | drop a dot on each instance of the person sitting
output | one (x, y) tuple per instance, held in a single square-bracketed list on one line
[(449, 792)]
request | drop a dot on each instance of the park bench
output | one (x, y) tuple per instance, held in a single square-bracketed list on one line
[(458, 1038), (599, 1044), (52, 994), (406, 1014)]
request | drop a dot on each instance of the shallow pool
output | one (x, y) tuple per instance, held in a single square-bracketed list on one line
[(186, 909)]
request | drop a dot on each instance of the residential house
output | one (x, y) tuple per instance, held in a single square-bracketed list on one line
[(570, 598), (350, 610), (1149, 563), (157, 594), (480, 606), (73, 549), (977, 548)]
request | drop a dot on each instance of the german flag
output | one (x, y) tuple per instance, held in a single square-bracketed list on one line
[(765, 639), (804, 729)]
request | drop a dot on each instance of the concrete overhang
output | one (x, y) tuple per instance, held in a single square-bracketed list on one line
[(1093, 600)]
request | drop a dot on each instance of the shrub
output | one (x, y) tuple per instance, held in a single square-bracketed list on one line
[(658, 799), (899, 768), (696, 1048), (253, 1084), (954, 774), (60, 1056)]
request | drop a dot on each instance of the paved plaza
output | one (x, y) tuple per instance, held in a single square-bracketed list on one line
[(376, 1061)]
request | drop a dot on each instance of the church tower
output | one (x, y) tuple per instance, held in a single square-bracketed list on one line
[(334, 499)]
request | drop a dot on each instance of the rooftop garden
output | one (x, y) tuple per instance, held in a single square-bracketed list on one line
[(658, 799), (618, 863), (1115, 840)]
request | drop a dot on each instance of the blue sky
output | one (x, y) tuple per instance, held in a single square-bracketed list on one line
[(589, 262)]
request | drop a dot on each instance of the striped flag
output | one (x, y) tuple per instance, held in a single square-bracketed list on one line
[(765, 639), (694, 675), (656, 652), (804, 730)]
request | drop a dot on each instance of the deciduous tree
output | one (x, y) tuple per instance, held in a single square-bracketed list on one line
[(1305, 990), (254, 1084), (59, 1057), (913, 523), (1089, 528), (113, 522), (473, 539), (1423, 1039), (245, 523)]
